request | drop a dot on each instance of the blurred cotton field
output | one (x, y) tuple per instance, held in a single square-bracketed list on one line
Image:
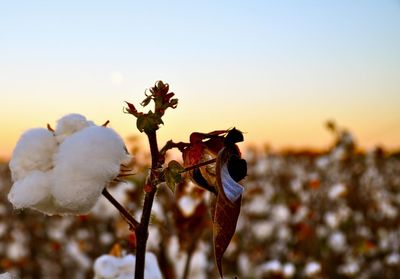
[(304, 215)]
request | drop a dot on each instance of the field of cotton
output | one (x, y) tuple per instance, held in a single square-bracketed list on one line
[(332, 214)]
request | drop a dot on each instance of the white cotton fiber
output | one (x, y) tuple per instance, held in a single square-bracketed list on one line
[(152, 270), (31, 190), (70, 124), (65, 172), (85, 163), (6, 276), (106, 266), (110, 267), (34, 151), (232, 189)]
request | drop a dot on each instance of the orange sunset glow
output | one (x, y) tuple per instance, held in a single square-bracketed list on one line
[(276, 71)]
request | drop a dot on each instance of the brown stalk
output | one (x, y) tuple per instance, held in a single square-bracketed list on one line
[(128, 217)]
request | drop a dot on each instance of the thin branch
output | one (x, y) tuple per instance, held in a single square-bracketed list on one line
[(126, 174), (188, 260), (50, 128), (128, 217), (202, 164)]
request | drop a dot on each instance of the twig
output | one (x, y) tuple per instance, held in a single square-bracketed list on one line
[(188, 260), (126, 174), (142, 230), (50, 128), (199, 165), (128, 217), (106, 123)]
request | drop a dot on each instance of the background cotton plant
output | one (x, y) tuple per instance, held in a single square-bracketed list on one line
[(284, 218), (64, 171)]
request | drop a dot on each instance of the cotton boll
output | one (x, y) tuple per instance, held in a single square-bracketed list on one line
[(6, 276), (69, 124), (34, 151), (110, 267), (31, 190), (16, 251), (86, 162), (106, 266), (392, 259), (312, 269), (127, 264), (337, 242), (232, 189), (337, 190), (289, 270), (152, 270), (273, 266), (187, 205)]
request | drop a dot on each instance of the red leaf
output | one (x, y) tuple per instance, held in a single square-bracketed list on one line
[(225, 218), (131, 109), (132, 239), (228, 202)]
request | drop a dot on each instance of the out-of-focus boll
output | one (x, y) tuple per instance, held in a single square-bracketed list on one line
[(110, 267)]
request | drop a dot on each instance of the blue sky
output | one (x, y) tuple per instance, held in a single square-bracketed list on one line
[(276, 69)]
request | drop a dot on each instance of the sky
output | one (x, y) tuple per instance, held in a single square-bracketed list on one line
[(277, 70)]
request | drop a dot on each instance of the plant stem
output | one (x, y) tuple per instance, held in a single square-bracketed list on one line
[(142, 230), (188, 260), (202, 164), (129, 218)]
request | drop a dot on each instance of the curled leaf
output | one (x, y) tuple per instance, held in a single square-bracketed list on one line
[(172, 174), (146, 101), (131, 109), (148, 122), (199, 179)]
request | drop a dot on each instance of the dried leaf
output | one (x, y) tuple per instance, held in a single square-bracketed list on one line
[(221, 179), (224, 226), (175, 167), (131, 109), (172, 174), (148, 122), (146, 101), (116, 250)]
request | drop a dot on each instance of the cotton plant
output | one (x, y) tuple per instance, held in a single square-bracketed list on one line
[(64, 171)]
